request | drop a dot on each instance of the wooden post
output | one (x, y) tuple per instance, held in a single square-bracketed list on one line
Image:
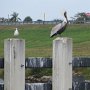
[(62, 64), (14, 64)]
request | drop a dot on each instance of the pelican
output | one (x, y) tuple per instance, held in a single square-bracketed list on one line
[(58, 29), (16, 32)]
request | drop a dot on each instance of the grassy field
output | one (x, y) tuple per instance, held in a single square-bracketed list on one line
[(39, 43)]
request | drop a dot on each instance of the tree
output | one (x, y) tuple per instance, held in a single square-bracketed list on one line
[(81, 17), (39, 21), (57, 21), (27, 19), (14, 17)]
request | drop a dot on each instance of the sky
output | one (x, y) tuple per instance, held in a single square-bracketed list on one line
[(53, 9)]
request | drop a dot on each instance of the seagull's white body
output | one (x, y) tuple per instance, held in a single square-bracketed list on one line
[(16, 32)]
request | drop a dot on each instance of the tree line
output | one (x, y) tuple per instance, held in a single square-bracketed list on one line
[(81, 17), (15, 18)]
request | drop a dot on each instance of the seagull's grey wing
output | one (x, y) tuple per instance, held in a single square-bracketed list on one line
[(55, 29)]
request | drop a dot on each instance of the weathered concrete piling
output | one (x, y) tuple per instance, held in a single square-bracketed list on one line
[(62, 64), (14, 64)]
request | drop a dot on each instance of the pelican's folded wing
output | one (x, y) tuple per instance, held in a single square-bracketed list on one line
[(55, 29)]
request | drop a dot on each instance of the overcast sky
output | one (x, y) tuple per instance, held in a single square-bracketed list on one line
[(36, 8)]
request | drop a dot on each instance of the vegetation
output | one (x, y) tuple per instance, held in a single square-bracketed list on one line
[(27, 19), (39, 43), (81, 17), (14, 17)]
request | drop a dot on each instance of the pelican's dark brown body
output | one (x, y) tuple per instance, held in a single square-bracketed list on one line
[(58, 29)]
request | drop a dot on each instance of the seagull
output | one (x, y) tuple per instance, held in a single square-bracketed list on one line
[(59, 28), (16, 32)]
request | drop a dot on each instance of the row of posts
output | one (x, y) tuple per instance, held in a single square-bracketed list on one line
[(14, 64)]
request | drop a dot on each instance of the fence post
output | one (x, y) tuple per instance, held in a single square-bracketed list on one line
[(14, 64), (62, 64)]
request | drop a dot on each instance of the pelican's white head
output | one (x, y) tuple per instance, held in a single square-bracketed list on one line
[(65, 15)]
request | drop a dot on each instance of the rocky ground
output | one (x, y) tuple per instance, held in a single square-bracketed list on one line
[(35, 79)]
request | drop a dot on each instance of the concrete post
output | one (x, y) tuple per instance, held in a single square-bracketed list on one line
[(62, 64), (14, 64)]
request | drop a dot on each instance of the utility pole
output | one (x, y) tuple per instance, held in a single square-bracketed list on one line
[(44, 19)]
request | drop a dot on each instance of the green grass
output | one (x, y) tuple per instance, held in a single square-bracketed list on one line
[(36, 37), (39, 43)]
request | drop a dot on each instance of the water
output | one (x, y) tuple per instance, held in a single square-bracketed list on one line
[(79, 83), (32, 62), (31, 86), (1, 84), (85, 85), (38, 86)]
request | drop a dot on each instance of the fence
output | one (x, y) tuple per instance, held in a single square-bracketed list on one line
[(33, 22)]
